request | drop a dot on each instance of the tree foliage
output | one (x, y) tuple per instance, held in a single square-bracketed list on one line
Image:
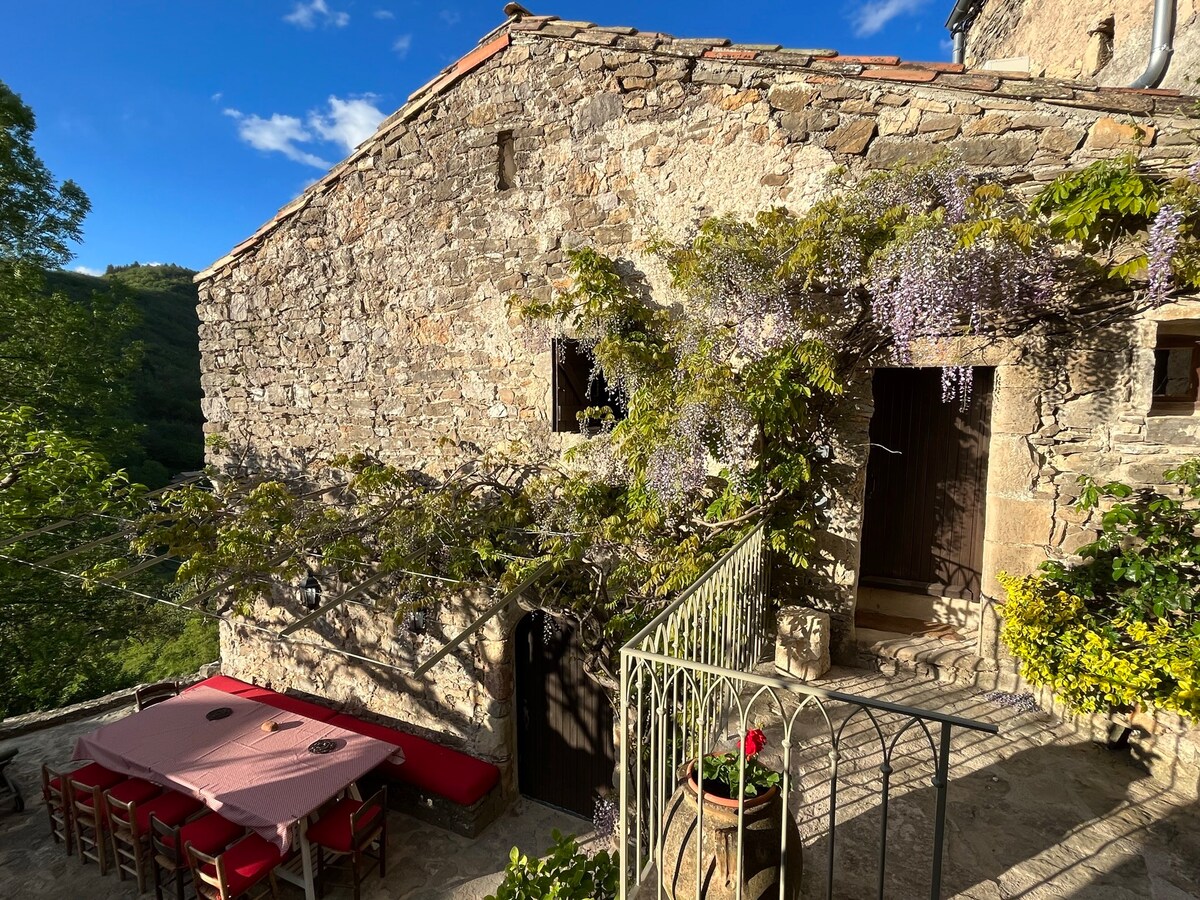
[(64, 370)]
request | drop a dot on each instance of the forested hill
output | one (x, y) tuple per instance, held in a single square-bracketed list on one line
[(165, 391)]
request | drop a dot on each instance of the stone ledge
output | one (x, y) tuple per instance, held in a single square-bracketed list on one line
[(15, 726)]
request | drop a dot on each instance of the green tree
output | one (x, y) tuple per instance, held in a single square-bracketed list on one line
[(64, 411)]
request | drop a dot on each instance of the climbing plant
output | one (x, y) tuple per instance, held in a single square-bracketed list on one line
[(735, 375)]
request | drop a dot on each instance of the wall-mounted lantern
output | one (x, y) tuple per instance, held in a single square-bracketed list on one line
[(310, 592)]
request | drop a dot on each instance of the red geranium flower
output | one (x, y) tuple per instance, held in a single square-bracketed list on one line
[(755, 741)]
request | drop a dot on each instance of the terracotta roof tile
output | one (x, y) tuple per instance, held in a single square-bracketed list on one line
[(870, 60), (730, 53)]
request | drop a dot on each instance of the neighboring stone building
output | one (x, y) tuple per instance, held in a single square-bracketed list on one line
[(1108, 41), (370, 312)]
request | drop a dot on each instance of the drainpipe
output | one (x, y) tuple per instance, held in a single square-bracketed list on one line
[(959, 36), (1162, 36), (961, 18)]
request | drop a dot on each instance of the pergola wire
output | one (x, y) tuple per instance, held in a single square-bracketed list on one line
[(111, 582)]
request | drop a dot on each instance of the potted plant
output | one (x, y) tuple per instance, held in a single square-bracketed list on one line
[(722, 791)]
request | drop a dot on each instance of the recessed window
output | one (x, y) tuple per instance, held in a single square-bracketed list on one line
[(1176, 371), (506, 161), (577, 385)]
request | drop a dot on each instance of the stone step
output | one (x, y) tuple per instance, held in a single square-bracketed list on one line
[(931, 658)]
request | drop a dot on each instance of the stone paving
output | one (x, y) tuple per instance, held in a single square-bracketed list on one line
[(1035, 812)]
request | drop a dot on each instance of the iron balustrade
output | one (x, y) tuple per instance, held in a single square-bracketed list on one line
[(687, 679)]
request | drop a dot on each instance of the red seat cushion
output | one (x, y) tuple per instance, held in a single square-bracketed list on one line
[(247, 862), (294, 705), (91, 775), (223, 683), (134, 790), (209, 834), (333, 828), (432, 767), (171, 808)]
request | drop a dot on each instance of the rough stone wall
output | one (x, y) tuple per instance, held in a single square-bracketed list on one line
[(1055, 37), (464, 700), (371, 314)]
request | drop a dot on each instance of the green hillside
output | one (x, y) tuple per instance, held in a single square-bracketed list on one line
[(165, 392)]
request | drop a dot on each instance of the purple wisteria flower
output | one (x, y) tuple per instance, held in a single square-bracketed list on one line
[(1160, 248)]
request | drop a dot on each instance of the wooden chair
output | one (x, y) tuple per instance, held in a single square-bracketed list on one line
[(56, 793), (89, 810), (349, 828), (210, 833), (237, 871), (130, 828), (155, 693), (58, 809)]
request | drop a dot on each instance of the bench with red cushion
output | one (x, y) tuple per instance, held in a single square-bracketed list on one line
[(285, 702), (223, 683), (439, 770)]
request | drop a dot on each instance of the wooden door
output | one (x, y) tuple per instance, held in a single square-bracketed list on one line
[(926, 485), (565, 751)]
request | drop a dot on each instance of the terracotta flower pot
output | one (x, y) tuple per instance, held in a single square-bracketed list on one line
[(763, 818)]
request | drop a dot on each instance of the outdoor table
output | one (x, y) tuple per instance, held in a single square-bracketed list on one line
[(267, 781)]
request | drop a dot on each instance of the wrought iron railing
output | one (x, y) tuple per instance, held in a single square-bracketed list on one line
[(688, 689)]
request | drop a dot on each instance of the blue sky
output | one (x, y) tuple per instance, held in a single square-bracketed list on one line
[(189, 122)]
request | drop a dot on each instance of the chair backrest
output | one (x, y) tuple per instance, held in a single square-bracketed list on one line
[(122, 816), (368, 821), (79, 795), (155, 693), (164, 839), (214, 885), (55, 797)]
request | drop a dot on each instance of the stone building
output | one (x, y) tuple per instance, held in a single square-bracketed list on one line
[(1106, 41), (370, 312)]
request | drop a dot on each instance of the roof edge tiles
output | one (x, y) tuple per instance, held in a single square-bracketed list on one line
[(820, 63)]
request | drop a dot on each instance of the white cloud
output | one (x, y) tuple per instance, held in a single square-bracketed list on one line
[(278, 134), (87, 270), (385, 14), (946, 46), (316, 12), (874, 15), (216, 98), (402, 45), (450, 16), (348, 122)]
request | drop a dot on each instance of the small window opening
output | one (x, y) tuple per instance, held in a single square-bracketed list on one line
[(1176, 372), (506, 161), (578, 385)]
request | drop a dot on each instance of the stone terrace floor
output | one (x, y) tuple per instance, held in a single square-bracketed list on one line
[(1036, 812)]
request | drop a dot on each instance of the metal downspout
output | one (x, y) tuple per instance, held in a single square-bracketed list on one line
[(959, 36), (1161, 45)]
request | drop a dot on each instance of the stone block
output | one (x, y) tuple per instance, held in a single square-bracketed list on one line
[(1014, 520), (1109, 134), (852, 137), (802, 645), (1014, 149)]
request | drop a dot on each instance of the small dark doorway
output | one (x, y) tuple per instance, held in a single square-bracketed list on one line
[(565, 751), (926, 485)]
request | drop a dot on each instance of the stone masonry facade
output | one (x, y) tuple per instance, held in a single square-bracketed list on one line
[(371, 312), (1107, 41)]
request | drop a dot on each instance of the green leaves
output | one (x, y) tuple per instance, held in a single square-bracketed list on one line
[(566, 873), (1119, 627)]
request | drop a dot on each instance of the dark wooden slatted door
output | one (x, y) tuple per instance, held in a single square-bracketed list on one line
[(926, 485), (565, 753)]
